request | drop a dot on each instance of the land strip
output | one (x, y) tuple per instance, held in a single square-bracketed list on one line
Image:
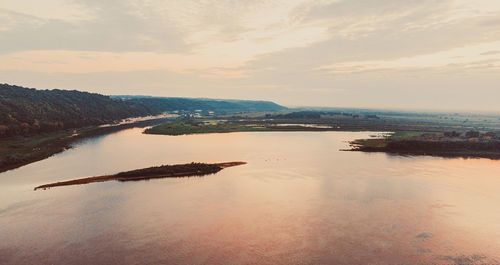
[(165, 171)]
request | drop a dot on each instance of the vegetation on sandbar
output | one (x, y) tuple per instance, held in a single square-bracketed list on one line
[(195, 126), (165, 171)]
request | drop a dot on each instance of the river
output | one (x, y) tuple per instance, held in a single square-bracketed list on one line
[(299, 200)]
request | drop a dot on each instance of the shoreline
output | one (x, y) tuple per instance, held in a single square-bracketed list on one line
[(417, 141), (21, 151), (430, 144)]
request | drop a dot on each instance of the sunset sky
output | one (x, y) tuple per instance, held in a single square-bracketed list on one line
[(412, 54)]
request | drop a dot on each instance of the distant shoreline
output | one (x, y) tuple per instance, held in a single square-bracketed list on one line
[(418, 138)]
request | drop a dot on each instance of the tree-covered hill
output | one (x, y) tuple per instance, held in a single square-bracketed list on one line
[(27, 111), (192, 104)]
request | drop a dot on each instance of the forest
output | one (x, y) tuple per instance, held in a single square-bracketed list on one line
[(25, 111), (226, 106)]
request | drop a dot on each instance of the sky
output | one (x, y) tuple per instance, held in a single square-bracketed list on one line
[(406, 54)]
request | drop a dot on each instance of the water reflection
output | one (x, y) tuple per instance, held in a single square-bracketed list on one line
[(299, 200)]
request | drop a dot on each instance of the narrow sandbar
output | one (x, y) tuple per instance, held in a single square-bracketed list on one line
[(164, 171)]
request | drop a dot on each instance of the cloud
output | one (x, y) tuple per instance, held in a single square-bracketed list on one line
[(48, 9), (490, 53), (150, 26), (466, 57), (127, 35), (304, 52), (113, 27)]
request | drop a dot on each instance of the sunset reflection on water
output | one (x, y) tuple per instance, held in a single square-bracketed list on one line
[(298, 200)]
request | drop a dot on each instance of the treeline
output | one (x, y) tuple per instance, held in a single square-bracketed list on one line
[(297, 115), (193, 104), (311, 114), (448, 146), (25, 111)]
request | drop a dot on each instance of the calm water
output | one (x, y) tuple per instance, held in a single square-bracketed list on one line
[(298, 201)]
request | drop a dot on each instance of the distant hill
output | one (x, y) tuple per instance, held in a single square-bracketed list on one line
[(222, 106), (25, 111)]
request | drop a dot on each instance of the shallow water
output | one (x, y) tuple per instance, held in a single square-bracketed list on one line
[(299, 200)]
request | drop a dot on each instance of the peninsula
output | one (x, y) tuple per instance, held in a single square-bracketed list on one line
[(435, 134)]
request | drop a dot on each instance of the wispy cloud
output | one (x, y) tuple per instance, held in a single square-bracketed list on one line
[(465, 57)]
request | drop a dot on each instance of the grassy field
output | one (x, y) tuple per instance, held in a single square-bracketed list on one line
[(184, 127), (198, 126), (404, 124), (18, 151), (406, 134)]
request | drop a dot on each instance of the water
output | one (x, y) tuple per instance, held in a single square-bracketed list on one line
[(299, 200)]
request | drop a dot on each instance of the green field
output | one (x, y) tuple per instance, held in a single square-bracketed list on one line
[(197, 126), (183, 127)]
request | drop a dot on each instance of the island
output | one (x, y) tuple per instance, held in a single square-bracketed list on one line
[(164, 171)]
